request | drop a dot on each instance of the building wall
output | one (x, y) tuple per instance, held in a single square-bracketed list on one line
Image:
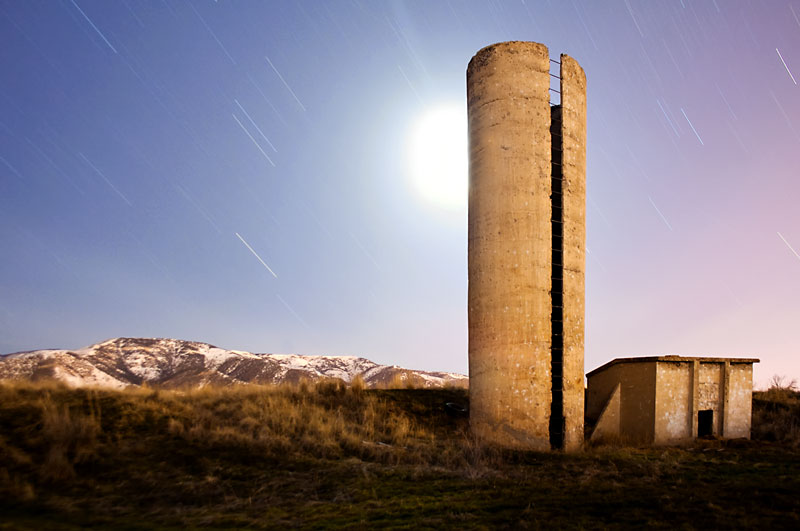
[(573, 171), (607, 425), (739, 406), (709, 393), (637, 402), (509, 244), (674, 418), (598, 390), (637, 383)]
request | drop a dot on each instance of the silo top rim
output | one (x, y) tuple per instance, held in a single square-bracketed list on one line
[(486, 51), (507, 44)]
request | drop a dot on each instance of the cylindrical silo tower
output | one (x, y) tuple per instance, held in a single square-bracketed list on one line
[(526, 247)]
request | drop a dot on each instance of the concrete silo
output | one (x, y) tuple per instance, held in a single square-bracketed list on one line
[(526, 246)]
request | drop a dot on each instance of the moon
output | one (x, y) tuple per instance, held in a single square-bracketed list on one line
[(438, 156)]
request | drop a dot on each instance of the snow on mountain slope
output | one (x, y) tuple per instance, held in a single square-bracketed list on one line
[(123, 362)]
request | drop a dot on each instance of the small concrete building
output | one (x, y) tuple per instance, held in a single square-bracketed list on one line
[(670, 399)]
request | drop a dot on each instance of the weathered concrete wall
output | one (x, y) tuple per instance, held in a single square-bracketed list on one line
[(723, 387), (509, 244), (673, 422), (573, 135), (739, 403), (598, 391), (637, 383), (638, 404), (607, 426), (708, 393)]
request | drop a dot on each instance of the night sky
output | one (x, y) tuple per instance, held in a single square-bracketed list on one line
[(242, 173)]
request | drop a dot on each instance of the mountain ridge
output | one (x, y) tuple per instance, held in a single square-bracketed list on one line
[(171, 363)]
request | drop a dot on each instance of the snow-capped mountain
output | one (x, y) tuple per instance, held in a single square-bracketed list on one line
[(170, 363)]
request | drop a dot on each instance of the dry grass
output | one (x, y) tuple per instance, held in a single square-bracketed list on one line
[(328, 455), (776, 413), (60, 427)]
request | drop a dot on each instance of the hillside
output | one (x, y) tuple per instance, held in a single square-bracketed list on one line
[(171, 363), (342, 457)]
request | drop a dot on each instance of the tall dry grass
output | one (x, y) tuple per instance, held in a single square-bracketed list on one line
[(323, 420), (50, 433), (776, 413)]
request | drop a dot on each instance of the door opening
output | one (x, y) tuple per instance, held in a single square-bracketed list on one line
[(705, 423)]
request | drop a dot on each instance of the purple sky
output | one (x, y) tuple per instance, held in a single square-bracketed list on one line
[(149, 150)]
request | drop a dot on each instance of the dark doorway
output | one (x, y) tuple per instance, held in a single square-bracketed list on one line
[(705, 423)]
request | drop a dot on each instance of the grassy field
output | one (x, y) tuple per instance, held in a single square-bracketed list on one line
[(329, 456)]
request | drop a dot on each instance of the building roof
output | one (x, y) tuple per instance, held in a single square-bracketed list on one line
[(673, 359)]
